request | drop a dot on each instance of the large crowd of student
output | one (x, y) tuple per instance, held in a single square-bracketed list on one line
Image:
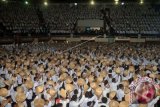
[(91, 75)]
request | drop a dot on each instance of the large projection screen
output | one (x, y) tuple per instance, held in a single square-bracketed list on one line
[(90, 23)]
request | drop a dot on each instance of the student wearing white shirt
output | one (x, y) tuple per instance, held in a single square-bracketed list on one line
[(88, 98), (103, 103), (64, 102), (29, 97), (127, 77), (114, 84), (9, 104), (76, 92), (120, 92), (106, 88), (19, 80), (74, 101), (153, 102)]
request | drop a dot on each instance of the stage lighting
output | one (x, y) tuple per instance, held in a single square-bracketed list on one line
[(116, 2), (26, 2), (75, 4), (45, 3), (3, 0), (92, 2), (141, 2), (122, 3)]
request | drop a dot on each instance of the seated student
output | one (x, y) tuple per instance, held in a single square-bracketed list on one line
[(103, 103), (59, 105), (153, 102), (74, 101), (120, 92), (114, 84), (106, 88), (9, 104)]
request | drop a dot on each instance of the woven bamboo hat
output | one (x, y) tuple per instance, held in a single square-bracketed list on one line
[(63, 93), (93, 85), (39, 89), (69, 87), (98, 91), (51, 92), (112, 94), (29, 84), (20, 97), (69, 80), (118, 70), (81, 81), (113, 103), (39, 102), (124, 104), (3, 92)]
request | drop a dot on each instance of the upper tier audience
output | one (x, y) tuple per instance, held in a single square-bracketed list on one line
[(62, 18)]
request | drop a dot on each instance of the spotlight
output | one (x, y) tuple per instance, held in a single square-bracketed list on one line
[(3, 0), (141, 2), (26, 2), (92, 2), (75, 4), (45, 3), (116, 2), (122, 3)]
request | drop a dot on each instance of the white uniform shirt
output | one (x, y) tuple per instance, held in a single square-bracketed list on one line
[(19, 79), (76, 103), (153, 102), (113, 86), (29, 94), (120, 94)]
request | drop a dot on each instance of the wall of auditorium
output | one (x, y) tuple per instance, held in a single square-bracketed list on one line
[(101, 40), (107, 40), (73, 39), (137, 39)]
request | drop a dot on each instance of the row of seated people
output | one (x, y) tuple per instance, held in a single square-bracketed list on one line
[(89, 75), (18, 17)]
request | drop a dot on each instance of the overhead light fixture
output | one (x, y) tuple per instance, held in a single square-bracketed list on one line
[(122, 3), (92, 2), (141, 2), (45, 3), (116, 2), (26, 2), (75, 4)]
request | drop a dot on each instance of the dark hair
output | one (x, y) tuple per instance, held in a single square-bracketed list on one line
[(110, 75), (105, 82), (113, 80), (74, 98), (110, 71), (102, 106), (76, 91), (59, 105), (104, 100), (107, 95), (75, 79), (87, 94), (89, 103), (90, 95), (120, 86)]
